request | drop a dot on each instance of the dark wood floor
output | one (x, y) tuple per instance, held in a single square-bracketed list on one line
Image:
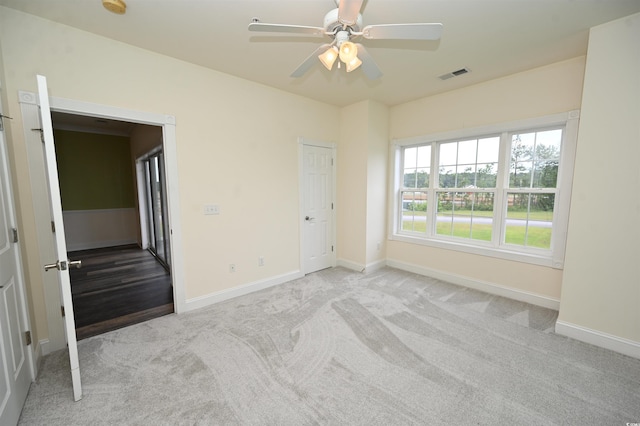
[(117, 287)]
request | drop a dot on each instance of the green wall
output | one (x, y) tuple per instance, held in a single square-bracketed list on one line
[(95, 171)]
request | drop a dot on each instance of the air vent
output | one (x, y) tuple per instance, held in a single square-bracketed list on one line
[(455, 73)]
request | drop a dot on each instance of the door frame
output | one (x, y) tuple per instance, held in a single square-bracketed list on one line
[(169, 146), (302, 194)]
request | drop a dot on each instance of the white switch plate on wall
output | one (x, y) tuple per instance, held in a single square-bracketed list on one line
[(211, 209)]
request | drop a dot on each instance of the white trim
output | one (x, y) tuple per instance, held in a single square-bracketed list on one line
[(374, 266), (230, 293), (487, 287), (358, 267), (599, 338), (43, 348), (301, 194)]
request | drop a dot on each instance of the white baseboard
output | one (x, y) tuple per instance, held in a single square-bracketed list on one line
[(351, 265), (374, 266), (220, 296), (487, 287), (42, 349), (598, 338)]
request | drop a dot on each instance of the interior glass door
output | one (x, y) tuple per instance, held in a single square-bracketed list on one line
[(158, 221)]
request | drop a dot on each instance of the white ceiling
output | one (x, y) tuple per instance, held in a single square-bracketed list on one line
[(492, 38)]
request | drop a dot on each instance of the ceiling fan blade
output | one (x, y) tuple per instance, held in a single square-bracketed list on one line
[(403, 31), (309, 62), (283, 28), (369, 66), (348, 11)]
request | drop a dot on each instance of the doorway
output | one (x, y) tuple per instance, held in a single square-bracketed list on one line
[(123, 280), (29, 109), (317, 186)]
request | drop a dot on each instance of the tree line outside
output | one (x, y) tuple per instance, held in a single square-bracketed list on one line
[(532, 165)]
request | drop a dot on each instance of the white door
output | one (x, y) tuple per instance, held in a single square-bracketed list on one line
[(61, 264), (317, 196), (16, 365)]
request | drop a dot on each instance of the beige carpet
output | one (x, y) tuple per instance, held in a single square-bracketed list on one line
[(342, 348)]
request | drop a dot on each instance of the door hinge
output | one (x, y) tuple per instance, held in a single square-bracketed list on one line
[(15, 235), (62, 310), (53, 227), (332, 249), (332, 161), (331, 206), (1, 123), (41, 134), (27, 338)]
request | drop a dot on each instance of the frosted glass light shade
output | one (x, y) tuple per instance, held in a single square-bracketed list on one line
[(353, 64), (348, 51), (329, 57)]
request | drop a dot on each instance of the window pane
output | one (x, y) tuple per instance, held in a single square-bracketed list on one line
[(489, 150), (417, 161), (410, 155), (447, 176), (534, 159), (466, 177), (547, 158), (414, 211), (469, 172), (448, 153), (467, 152), (424, 156), (465, 215), (529, 219), (487, 175)]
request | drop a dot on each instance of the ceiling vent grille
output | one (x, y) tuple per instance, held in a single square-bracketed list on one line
[(455, 73)]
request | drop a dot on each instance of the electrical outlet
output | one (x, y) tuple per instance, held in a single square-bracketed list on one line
[(232, 267), (210, 209), (261, 261)]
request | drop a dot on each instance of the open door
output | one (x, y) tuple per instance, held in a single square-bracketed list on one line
[(62, 263)]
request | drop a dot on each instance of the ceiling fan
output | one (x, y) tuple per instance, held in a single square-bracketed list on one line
[(342, 25)]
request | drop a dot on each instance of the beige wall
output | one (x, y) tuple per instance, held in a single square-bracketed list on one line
[(362, 184), (352, 185), (236, 146), (542, 91), (377, 164), (601, 283)]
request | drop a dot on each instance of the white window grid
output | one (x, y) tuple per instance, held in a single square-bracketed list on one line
[(497, 247)]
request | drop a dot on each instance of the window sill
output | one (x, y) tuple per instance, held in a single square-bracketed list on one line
[(532, 258)]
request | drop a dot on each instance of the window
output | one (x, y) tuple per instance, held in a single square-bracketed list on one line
[(500, 190)]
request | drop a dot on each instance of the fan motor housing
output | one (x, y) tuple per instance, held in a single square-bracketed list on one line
[(331, 22)]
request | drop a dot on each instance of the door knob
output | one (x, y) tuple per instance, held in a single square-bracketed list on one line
[(64, 265), (309, 218)]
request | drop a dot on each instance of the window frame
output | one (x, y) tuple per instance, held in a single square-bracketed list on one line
[(553, 257)]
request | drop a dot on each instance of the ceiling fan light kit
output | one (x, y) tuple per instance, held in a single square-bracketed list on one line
[(328, 58), (342, 24)]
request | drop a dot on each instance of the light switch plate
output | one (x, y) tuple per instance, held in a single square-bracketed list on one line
[(211, 209)]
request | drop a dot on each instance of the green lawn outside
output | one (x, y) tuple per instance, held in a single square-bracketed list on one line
[(536, 237)]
